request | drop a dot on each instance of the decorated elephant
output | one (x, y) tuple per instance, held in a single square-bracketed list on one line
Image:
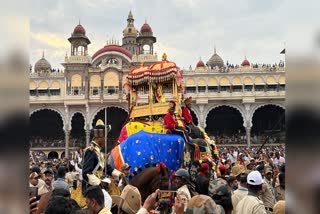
[(144, 148)]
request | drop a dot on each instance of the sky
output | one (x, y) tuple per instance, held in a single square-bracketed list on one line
[(186, 30)]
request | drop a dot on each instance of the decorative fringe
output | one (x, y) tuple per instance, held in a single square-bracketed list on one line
[(196, 152)]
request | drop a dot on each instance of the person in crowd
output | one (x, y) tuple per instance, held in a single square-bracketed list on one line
[(266, 195), (202, 180), (232, 155), (251, 204), (152, 202), (280, 189), (105, 182), (60, 182), (221, 195), (194, 131), (125, 178), (95, 200), (40, 180), (171, 124), (70, 175), (128, 202), (278, 160), (223, 172), (241, 192), (78, 174), (237, 171), (61, 192), (48, 175), (59, 205), (268, 178), (279, 207), (55, 171), (94, 161), (34, 179), (203, 204), (182, 179), (232, 184)]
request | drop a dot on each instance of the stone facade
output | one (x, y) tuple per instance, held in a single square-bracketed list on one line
[(89, 84)]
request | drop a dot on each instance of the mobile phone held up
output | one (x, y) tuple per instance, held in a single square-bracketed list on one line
[(33, 192), (166, 196)]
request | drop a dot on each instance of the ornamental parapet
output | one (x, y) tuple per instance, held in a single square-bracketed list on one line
[(46, 74), (145, 58), (77, 59)]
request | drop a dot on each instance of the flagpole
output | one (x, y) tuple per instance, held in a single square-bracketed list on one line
[(106, 138)]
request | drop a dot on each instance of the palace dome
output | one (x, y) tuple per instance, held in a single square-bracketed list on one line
[(146, 28), (215, 60), (79, 29), (200, 64), (42, 65), (245, 62)]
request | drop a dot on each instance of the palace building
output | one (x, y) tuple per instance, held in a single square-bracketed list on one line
[(236, 104)]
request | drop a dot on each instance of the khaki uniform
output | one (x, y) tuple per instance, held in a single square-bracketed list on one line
[(44, 189), (40, 183), (250, 205), (238, 195), (280, 193), (267, 197)]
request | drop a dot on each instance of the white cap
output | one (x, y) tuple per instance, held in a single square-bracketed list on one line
[(93, 180), (254, 178), (106, 180)]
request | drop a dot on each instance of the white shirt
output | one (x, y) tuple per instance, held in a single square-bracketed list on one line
[(279, 161), (107, 199), (233, 157), (78, 170), (185, 196)]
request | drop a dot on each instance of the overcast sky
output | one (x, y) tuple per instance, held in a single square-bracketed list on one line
[(185, 29)]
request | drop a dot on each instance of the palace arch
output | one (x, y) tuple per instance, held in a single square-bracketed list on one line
[(224, 122), (116, 117)]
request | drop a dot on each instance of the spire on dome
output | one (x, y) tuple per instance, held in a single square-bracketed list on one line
[(215, 50), (130, 18), (43, 54)]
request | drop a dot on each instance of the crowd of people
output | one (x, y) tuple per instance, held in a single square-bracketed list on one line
[(244, 180), (263, 66), (38, 156), (238, 180), (40, 141), (242, 139)]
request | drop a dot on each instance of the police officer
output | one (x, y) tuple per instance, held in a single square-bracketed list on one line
[(94, 160)]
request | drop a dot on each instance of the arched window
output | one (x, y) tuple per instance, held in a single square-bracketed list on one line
[(146, 49), (76, 85)]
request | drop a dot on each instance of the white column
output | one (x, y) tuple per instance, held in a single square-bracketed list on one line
[(66, 134), (88, 137), (248, 134)]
